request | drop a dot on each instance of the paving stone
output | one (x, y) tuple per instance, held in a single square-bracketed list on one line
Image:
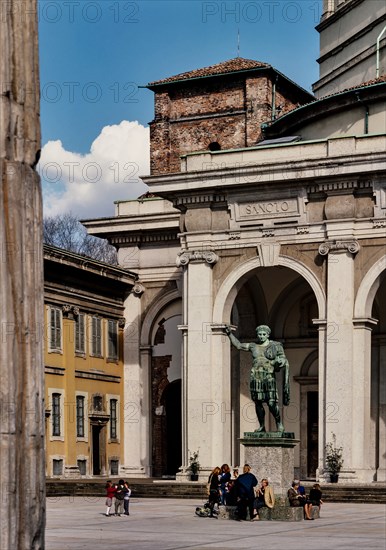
[(79, 523)]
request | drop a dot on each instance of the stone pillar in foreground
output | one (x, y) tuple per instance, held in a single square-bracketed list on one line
[(22, 470)]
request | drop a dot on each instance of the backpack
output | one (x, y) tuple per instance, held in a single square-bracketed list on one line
[(120, 493)]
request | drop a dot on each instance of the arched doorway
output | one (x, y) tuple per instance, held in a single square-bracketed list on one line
[(378, 380), (370, 315), (166, 393), (283, 299)]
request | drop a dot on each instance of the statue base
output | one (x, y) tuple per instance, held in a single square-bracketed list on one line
[(271, 455)]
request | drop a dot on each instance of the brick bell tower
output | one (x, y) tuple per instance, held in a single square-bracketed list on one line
[(217, 107)]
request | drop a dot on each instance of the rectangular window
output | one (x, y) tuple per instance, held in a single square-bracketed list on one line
[(57, 467), (112, 339), (96, 336), (80, 334), (56, 414), (55, 329), (82, 467), (113, 418), (114, 467), (79, 416)]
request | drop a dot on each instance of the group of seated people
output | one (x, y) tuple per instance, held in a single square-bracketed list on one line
[(243, 491), (297, 497)]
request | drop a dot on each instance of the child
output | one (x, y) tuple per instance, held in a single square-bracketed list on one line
[(110, 493)]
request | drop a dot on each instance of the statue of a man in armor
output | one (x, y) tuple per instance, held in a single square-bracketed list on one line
[(268, 358)]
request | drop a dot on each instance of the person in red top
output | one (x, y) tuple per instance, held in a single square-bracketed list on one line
[(110, 494)]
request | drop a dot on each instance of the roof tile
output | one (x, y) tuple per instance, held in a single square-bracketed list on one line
[(230, 66)]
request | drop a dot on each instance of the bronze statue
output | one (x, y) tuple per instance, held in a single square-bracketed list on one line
[(268, 358)]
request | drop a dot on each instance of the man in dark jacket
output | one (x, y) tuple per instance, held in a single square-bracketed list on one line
[(244, 489)]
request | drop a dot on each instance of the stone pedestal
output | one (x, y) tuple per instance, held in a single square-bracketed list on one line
[(271, 455)]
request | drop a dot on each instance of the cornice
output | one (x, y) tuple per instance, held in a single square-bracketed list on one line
[(281, 172), (340, 186), (70, 259)]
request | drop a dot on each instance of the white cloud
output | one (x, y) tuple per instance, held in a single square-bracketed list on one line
[(87, 185)]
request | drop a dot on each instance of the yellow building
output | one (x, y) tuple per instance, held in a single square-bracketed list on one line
[(84, 336)]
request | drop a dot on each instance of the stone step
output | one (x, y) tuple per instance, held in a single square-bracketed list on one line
[(154, 488)]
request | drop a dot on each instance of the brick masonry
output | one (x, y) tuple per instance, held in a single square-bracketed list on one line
[(224, 109)]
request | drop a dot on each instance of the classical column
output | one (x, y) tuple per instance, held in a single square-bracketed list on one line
[(136, 393), (362, 446), (339, 377), (379, 407), (206, 383), (22, 462)]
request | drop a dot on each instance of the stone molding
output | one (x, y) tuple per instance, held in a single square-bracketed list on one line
[(198, 199), (185, 257), (338, 186), (379, 224), (351, 246), (269, 252), (140, 238)]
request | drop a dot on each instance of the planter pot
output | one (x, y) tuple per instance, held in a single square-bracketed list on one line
[(334, 478), (193, 477)]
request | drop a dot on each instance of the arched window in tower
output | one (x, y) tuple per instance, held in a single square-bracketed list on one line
[(214, 146)]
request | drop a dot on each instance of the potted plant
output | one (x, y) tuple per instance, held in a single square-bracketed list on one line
[(194, 466), (334, 460)]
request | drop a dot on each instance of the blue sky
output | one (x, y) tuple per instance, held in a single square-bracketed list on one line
[(95, 55)]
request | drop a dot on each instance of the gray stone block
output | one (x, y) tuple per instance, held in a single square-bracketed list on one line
[(227, 512)]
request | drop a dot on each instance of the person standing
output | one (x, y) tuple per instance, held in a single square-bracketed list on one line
[(110, 494), (126, 498), (225, 477), (213, 482), (245, 494), (119, 496)]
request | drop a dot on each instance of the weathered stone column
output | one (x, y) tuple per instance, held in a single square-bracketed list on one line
[(22, 464), (206, 383), (339, 375)]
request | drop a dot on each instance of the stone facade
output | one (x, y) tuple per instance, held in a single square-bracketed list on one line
[(286, 234), (349, 31)]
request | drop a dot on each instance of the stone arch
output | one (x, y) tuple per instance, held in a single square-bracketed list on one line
[(368, 289), (152, 313), (309, 360), (231, 285)]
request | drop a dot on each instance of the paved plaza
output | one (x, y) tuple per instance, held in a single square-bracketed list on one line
[(78, 523)]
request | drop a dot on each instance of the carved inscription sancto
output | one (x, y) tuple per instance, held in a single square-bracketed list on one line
[(266, 209)]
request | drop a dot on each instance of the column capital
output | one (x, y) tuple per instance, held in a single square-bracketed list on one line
[(196, 256), (138, 289), (351, 246), (69, 311)]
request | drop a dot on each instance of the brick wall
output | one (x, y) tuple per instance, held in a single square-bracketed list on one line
[(229, 110)]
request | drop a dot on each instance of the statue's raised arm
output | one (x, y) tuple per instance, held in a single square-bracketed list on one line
[(238, 345)]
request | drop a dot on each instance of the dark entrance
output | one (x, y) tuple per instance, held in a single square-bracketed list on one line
[(96, 455), (172, 400), (312, 432)]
